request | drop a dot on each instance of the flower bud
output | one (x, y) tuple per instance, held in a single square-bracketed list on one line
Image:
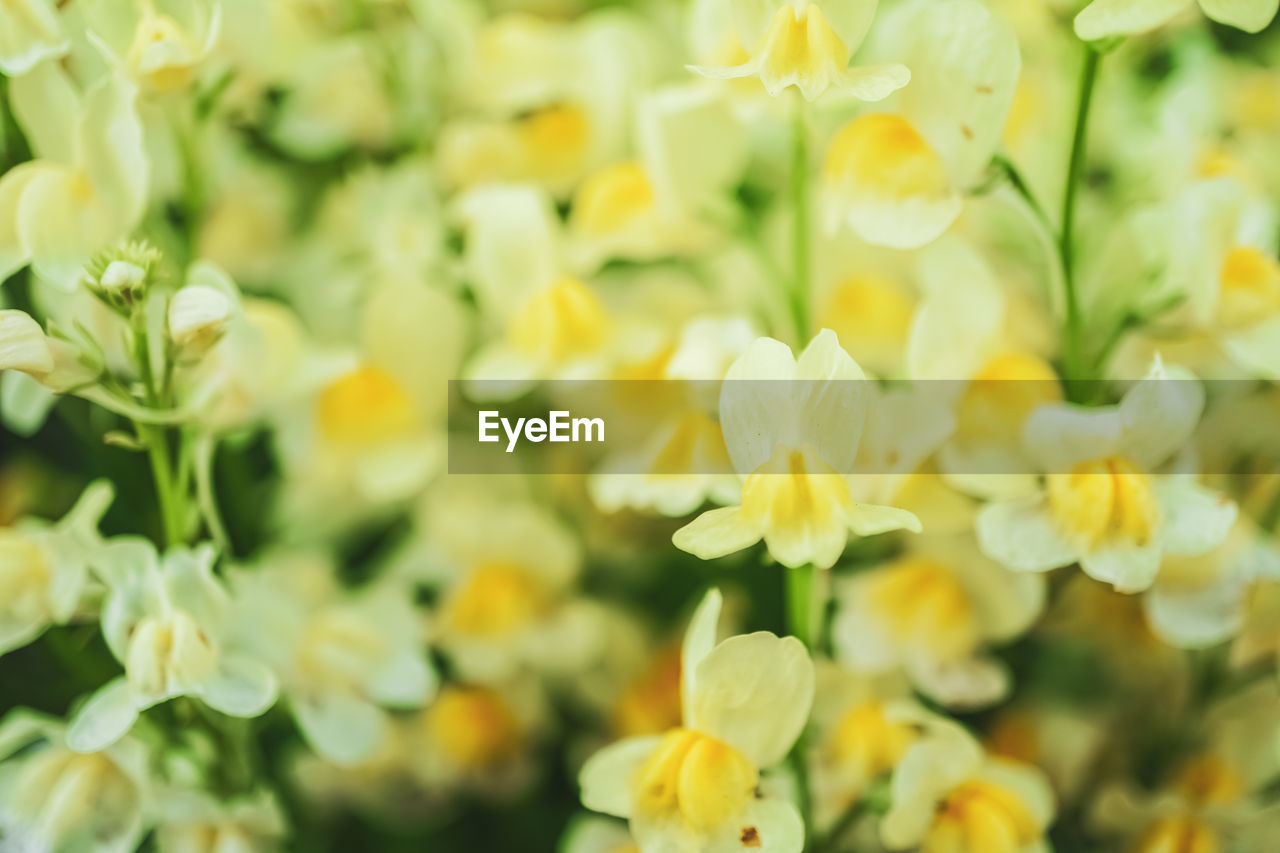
[(198, 317), (120, 276)]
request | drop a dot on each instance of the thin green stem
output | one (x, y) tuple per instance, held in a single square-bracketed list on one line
[(171, 489), (798, 298), (1073, 354), (803, 609)]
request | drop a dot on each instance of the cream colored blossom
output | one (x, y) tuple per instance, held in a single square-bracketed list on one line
[(87, 187), (898, 178), (808, 45), (948, 795), (45, 568), (1102, 503), (30, 32), (166, 620), (700, 787), (55, 798), (792, 428)]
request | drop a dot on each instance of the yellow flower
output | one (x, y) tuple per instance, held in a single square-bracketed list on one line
[(792, 429), (933, 613), (1101, 504), (949, 796), (808, 45), (699, 787), (898, 179), (88, 186)]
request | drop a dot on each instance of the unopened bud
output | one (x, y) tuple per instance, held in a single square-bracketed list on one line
[(120, 276), (198, 316)]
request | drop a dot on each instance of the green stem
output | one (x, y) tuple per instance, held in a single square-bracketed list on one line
[(798, 298), (1073, 355), (170, 488), (803, 605)]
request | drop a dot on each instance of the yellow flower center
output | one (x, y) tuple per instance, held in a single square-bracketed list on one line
[(696, 777), (1001, 396), (366, 406), (495, 599), (696, 446), (1250, 287), (979, 817), (871, 316), (554, 140), (1207, 780), (611, 199), (884, 154), (561, 321), (168, 654), (868, 741), (651, 703), (795, 489), (926, 608), (800, 42), (1107, 499), (1183, 834), (474, 726), (162, 54)]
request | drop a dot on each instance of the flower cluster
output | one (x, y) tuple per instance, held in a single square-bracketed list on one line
[(945, 517)]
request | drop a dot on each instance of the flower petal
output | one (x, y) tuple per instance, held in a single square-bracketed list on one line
[(607, 778), (1022, 536), (240, 688), (1249, 15), (1129, 568), (104, 719), (1105, 18), (717, 532), (754, 692)]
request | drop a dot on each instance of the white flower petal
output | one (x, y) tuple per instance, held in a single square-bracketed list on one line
[(1105, 18), (1060, 436), (1129, 568), (872, 520), (1196, 519), (1196, 617), (699, 640), (104, 719), (1021, 535), (1249, 15), (754, 693), (240, 688), (717, 532), (1159, 414), (342, 728), (607, 778)]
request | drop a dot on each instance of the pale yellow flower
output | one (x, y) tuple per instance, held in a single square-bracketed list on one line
[(700, 787), (1102, 504), (792, 428), (808, 45), (899, 178), (30, 33), (948, 795)]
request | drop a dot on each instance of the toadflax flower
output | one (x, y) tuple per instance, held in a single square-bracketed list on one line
[(165, 619), (898, 179), (948, 795), (53, 798), (44, 568), (792, 429), (699, 787), (1100, 504), (808, 45)]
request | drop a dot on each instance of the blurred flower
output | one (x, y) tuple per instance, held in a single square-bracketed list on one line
[(30, 33), (88, 186), (745, 702), (898, 179), (44, 568), (165, 619), (948, 795), (197, 823), (342, 657), (58, 799), (932, 613), (808, 45)]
